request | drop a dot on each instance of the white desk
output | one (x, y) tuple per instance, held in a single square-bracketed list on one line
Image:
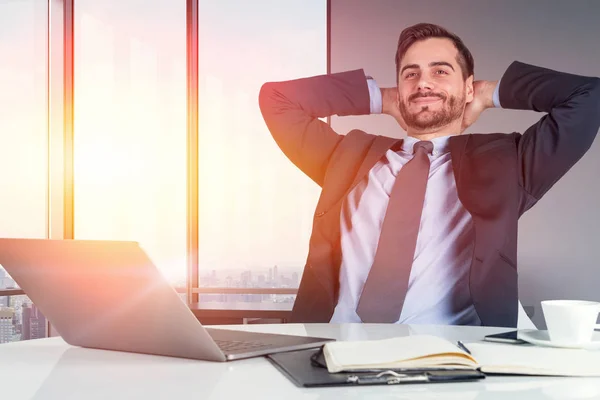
[(51, 369)]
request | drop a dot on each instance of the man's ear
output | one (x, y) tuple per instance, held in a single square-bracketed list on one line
[(469, 94)]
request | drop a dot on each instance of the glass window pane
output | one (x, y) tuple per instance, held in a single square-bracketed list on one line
[(23, 149), (255, 207), (130, 127), (23, 133)]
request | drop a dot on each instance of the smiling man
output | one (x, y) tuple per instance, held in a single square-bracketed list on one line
[(424, 229)]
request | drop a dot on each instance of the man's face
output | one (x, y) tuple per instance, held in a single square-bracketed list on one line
[(431, 88)]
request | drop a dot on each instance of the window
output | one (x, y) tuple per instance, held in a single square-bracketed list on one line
[(130, 127), (23, 149), (255, 207)]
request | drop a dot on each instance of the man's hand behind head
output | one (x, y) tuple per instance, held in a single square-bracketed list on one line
[(483, 92), (389, 97)]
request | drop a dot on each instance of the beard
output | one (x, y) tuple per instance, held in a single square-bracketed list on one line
[(425, 119)]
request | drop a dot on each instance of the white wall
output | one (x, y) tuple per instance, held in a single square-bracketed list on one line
[(559, 238)]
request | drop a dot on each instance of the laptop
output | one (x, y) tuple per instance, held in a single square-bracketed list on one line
[(109, 295)]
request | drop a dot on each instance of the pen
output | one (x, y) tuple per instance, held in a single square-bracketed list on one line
[(387, 377), (463, 347)]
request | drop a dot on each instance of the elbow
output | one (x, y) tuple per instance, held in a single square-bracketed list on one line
[(267, 105), (596, 93), (264, 96), (591, 120), (595, 103), (596, 84)]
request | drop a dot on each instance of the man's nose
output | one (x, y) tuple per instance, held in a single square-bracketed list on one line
[(424, 84)]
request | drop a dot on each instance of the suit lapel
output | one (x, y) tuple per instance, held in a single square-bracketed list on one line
[(457, 145), (380, 145), (339, 187)]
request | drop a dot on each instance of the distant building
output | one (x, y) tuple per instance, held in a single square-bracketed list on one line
[(6, 325), (246, 278), (276, 279), (34, 323)]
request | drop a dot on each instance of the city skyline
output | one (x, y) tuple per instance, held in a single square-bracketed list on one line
[(20, 319), (273, 278)]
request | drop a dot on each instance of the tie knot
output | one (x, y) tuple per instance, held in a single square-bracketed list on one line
[(425, 145)]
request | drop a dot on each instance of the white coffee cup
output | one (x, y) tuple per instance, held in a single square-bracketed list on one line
[(571, 321)]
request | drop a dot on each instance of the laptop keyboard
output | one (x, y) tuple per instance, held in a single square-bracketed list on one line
[(242, 344), (237, 346)]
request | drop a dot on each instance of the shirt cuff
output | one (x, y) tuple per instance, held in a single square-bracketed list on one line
[(496, 96), (375, 96)]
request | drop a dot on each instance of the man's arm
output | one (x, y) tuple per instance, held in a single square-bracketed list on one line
[(550, 147), (291, 110)]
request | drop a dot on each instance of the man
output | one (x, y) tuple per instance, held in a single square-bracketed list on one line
[(424, 229)]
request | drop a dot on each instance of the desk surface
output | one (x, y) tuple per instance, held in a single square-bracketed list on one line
[(51, 369)]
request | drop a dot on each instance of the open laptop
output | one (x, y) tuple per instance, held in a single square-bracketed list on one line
[(109, 295)]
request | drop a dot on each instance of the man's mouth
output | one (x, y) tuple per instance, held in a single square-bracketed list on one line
[(426, 100)]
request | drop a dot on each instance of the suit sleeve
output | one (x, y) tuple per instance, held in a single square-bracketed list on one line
[(292, 109), (550, 147)]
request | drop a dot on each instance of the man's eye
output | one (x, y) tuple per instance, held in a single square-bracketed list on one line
[(410, 74), (442, 71)]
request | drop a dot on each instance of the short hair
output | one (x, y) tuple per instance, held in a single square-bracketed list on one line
[(422, 31)]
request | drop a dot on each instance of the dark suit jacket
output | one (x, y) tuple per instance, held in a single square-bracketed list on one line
[(498, 176)]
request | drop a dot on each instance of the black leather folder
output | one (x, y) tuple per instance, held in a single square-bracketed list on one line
[(307, 368)]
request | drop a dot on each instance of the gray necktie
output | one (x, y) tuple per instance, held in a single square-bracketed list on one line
[(384, 291)]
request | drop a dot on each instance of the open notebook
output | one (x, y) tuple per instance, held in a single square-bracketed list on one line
[(424, 351)]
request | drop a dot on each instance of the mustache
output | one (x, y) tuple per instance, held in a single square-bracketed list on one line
[(429, 94)]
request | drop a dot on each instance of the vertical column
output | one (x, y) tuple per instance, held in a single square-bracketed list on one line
[(69, 78), (60, 121), (192, 150)]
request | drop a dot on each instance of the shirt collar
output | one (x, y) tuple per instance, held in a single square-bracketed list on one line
[(440, 144)]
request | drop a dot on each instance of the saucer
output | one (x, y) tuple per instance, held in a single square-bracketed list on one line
[(541, 338)]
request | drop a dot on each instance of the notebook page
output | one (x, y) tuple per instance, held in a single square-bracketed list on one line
[(386, 351), (535, 360)]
